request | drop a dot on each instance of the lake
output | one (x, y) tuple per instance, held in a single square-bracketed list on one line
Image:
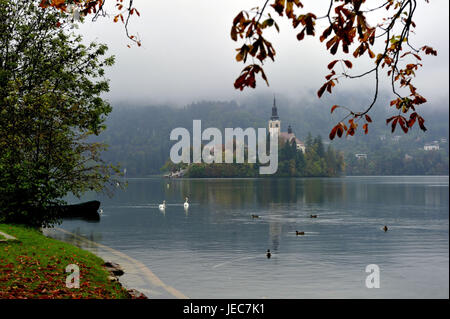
[(216, 249)]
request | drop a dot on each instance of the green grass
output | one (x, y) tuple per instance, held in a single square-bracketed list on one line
[(35, 268)]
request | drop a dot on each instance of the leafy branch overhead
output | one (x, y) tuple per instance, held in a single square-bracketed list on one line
[(82, 8), (346, 28)]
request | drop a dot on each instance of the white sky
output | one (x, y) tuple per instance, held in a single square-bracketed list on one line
[(187, 53)]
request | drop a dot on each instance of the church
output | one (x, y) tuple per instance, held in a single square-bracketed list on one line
[(289, 136)]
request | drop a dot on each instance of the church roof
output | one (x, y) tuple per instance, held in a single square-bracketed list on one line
[(285, 136)]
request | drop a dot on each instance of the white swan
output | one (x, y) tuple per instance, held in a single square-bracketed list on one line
[(186, 204), (163, 205)]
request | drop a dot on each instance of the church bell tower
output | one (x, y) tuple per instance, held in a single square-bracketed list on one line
[(274, 123)]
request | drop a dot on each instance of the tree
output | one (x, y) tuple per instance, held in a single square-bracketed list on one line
[(309, 140), (319, 145), (50, 105)]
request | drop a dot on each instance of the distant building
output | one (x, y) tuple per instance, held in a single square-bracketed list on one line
[(361, 156), (274, 122), (408, 157), (289, 136), (396, 138), (443, 140), (431, 147)]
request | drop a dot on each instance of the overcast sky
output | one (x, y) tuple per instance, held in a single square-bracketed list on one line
[(187, 54)]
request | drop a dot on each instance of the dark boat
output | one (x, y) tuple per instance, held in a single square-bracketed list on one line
[(86, 211)]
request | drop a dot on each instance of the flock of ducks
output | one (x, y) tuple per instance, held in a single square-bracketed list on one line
[(301, 233), (268, 253), (163, 205)]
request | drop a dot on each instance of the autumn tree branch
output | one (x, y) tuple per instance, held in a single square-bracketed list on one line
[(347, 23)]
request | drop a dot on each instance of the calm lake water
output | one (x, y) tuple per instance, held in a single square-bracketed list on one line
[(217, 250)]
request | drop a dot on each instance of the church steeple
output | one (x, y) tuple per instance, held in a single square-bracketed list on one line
[(274, 123), (274, 110)]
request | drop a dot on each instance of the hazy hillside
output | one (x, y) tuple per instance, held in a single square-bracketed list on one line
[(139, 135)]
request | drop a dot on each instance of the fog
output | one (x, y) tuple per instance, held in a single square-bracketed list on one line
[(187, 54)]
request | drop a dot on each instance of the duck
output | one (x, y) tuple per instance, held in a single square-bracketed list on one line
[(255, 216), (268, 253), (313, 216), (186, 204), (299, 232), (385, 228), (163, 205)]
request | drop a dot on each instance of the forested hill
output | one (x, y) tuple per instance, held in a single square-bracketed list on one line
[(139, 135)]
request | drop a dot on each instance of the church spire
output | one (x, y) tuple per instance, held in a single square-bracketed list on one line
[(274, 110)]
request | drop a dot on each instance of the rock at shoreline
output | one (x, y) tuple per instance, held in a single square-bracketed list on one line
[(116, 270), (113, 268), (113, 279), (134, 294)]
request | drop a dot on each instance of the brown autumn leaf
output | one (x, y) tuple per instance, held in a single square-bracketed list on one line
[(322, 90), (334, 107), (332, 64), (333, 132)]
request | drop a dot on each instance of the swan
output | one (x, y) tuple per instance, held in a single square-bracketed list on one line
[(186, 204), (163, 205)]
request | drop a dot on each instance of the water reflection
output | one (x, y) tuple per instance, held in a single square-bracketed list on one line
[(239, 193)]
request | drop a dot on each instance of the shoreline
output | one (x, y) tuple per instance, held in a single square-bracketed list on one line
[(35, 266), (137, 276)]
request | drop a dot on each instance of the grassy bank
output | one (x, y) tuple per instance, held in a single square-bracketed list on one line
[(35, 268)]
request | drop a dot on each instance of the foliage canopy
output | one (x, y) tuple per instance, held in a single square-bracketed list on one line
[(49, 105)]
